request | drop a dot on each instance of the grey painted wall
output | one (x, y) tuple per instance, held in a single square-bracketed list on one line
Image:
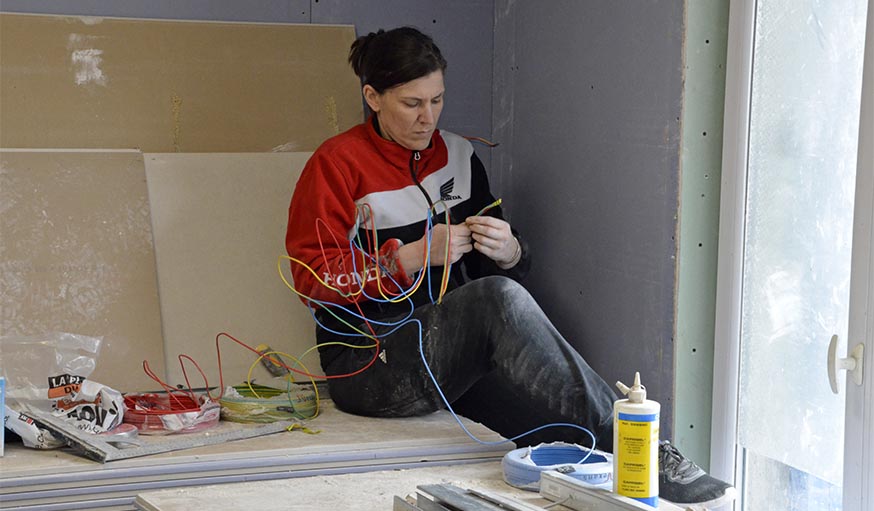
[(587, 105)]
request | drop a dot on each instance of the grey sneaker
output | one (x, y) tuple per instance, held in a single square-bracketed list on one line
[(685, 484)]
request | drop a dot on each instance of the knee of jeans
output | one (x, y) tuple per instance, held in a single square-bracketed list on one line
[(498, 284), (510, 292)]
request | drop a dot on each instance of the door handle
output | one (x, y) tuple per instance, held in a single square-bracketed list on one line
[(853, 363)]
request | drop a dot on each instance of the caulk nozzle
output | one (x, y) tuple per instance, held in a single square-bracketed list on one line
[(622, 388), (637, 392)]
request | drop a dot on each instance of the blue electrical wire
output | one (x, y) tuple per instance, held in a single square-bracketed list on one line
[(471, 435)]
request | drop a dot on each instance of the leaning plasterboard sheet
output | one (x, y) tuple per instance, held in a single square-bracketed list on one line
[(173, 86), (219, 222), (76, 255)]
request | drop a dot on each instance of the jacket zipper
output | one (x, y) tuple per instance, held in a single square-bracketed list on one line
[(414, 173)]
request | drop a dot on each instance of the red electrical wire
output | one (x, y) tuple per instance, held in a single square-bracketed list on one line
[(292, 369), (153, 413)]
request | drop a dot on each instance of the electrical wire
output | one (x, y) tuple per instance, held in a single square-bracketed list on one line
[(282, 363), (490, 206), (176, 411), (258, 403), (405, 321), (482, 141)]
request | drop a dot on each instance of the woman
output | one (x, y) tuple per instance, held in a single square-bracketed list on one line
[(386, 186)]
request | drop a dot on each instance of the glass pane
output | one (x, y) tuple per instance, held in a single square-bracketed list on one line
[(804, 122)]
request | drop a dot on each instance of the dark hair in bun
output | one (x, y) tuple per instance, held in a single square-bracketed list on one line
[(386, 59)]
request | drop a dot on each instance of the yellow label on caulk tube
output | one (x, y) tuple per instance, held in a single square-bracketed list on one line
[(636, 445)]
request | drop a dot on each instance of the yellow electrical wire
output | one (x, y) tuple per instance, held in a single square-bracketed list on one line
[(337, 343), (258, 410), (490, 206)]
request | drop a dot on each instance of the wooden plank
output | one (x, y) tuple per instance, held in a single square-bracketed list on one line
[(76, 256), (399, 504), (350, 492), (219, 223), (173, 86)]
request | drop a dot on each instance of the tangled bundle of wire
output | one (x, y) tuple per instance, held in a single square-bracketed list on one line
[(174, 412)]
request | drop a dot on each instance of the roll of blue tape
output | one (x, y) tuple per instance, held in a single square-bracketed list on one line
[(522, 467)]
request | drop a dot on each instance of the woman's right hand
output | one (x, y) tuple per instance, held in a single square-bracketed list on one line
[(411, 255)]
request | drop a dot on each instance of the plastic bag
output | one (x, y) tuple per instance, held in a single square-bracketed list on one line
[(49, 373)]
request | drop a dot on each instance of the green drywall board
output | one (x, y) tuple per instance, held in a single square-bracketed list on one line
[(706, 37)]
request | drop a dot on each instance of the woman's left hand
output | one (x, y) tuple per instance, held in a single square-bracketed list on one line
[(494, 239)]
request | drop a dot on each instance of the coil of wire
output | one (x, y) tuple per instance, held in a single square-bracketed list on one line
[(161, 414), (261, 404)]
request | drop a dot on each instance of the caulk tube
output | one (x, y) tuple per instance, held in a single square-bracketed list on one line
[(636, 445)]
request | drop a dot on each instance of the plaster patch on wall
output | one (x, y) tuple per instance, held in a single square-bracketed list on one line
[(86, 59), (86, 65), (176, 101), (331, 111)]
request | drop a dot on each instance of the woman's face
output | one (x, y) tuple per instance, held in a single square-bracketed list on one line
[(408, 112)]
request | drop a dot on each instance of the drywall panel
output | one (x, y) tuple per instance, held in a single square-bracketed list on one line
[(286, 11), (462, 29), (219, 223), (593, 161), (173, 86), (76, 256)]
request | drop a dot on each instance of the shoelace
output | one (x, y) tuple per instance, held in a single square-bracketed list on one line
[(672, 462)]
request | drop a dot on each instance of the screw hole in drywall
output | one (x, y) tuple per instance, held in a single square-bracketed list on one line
[(433, 21), (701, 244), (694, 350), (704, 133), (707, 41), (691, 426)]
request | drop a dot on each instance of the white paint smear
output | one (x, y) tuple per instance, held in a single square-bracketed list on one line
[(91, 20), (86, 64), (287, 147)]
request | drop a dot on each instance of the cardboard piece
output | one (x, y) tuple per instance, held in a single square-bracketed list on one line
[(173, 86), (76, 256), (219, 223)]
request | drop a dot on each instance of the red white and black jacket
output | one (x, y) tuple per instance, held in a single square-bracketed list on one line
[(358, 181)]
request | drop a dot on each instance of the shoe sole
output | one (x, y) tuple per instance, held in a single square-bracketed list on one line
[(729, 496)]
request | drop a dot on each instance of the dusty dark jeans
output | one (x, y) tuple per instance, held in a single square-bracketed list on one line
[(498, 359)]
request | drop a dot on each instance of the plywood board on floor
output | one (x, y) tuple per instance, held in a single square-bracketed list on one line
[(345, 443), (219, 223), (173, 86), (371, 491), (76, 255)]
